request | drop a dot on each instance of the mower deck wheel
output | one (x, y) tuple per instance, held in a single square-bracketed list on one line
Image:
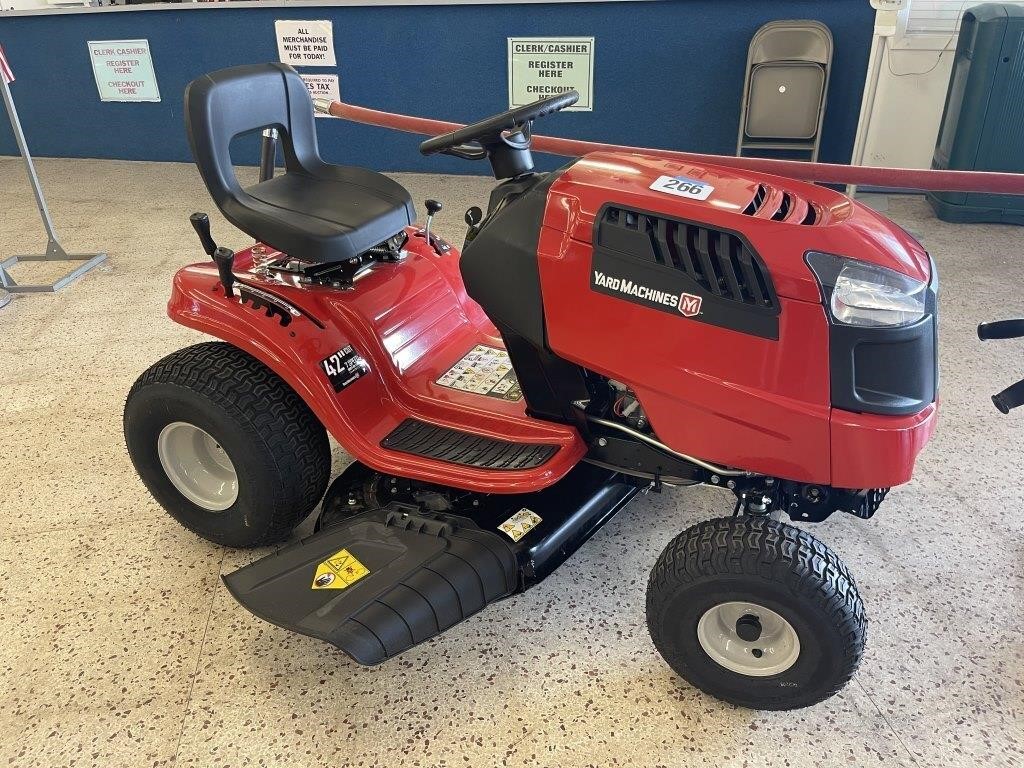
[(226, 446), (757, 613)]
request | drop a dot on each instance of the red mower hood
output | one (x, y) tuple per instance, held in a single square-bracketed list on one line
[(781, 218)]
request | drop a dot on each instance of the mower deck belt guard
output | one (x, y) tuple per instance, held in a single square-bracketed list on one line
[(422, 576), (414, 573)]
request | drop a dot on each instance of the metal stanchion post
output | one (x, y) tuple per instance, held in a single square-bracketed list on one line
[(54, 250)]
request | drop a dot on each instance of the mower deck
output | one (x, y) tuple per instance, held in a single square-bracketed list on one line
[(381, 581), (432, 352)]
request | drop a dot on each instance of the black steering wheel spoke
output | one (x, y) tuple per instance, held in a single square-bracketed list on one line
[(467, 151)]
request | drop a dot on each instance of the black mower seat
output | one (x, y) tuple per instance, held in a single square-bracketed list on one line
[(314, 212)]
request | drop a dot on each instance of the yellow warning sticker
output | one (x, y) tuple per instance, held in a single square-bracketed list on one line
[(520, 524), (338, 571)]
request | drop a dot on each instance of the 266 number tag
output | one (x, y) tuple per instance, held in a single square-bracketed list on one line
[(681, 186)]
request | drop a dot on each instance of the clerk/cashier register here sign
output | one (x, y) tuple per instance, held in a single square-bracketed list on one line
[(546, 66)]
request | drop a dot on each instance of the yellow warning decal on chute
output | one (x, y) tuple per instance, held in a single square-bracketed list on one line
[(338, 571)]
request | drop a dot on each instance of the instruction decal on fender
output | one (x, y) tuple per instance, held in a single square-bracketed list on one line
[(339, 571), (683, 186), (484, 371), (344, 367), (520, 524)]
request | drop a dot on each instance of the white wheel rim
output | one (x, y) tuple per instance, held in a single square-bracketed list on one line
[(775, 650), (197, 466)]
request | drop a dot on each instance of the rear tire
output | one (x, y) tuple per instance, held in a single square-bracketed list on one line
[(265, 457), (756, 613)]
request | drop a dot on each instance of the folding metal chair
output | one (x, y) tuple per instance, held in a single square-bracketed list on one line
[(788, 66)]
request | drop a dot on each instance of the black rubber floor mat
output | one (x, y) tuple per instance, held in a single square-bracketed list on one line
[(455, 447)]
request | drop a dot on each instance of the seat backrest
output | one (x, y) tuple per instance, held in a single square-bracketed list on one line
[(796, 40), (229, 102)]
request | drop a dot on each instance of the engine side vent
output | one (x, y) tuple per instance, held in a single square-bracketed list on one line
[(789, 205), (720, 262), (755, 205), (784, 207)]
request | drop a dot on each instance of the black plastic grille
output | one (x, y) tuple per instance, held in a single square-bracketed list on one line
[(719, 261)]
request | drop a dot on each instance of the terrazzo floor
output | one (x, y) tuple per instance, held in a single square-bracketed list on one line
[(119, 646)]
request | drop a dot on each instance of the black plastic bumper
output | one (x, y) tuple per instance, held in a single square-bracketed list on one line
[(891, 371)]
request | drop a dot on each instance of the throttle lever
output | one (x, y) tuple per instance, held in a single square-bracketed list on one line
[(224, 258)]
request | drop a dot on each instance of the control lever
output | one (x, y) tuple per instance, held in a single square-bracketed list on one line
[(440, 246), (1013, 395), (224, 258), (473, 218), (433, 207), (201, 224)]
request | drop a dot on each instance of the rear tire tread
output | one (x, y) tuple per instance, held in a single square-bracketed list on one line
[(242, 385)]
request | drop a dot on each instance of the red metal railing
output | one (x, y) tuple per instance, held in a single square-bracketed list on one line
[(901, 178)]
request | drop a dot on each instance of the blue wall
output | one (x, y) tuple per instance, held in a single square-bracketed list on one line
[(668, 74)]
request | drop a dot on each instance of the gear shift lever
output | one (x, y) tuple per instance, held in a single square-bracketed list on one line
[(440, 246), (433, 207)]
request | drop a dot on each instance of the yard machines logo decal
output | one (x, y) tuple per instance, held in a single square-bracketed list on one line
[(664, 288), (687, 304)]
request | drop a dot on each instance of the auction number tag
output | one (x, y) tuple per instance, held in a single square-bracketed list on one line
[(681, 186)]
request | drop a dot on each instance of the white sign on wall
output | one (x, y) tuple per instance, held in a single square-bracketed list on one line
[(323, 87), (305, 43), (544, 66), (123, 70)]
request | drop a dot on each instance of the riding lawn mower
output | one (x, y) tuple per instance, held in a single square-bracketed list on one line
[(621, 325)]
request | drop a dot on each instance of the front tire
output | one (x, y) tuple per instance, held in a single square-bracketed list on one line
[(226, 446), (756, 613)]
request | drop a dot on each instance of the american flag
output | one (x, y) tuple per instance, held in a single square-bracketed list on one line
[(5, 68)]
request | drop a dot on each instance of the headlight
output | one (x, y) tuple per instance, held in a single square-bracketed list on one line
[(859, 293)]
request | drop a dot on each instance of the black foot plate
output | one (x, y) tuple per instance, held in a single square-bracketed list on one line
[(463, 448)]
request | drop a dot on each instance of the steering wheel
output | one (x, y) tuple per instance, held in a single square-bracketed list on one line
[(508, 129)]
